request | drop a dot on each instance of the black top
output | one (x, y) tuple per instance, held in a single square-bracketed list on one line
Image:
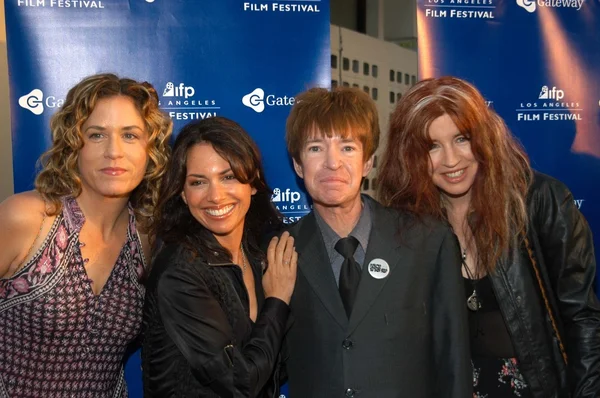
[(487, 330), (199, 340)]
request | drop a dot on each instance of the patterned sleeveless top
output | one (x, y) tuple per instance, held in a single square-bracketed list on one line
[(57, 338)]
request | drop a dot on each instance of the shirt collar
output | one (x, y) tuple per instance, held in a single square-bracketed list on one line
[(361, 230)]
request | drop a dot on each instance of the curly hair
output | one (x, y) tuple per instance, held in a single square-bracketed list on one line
[(498, 213), (173, 221), (343, 110), (59, 175)]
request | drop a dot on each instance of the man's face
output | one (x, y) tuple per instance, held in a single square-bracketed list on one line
[(332, 169)]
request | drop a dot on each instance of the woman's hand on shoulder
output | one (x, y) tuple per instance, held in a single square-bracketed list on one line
[(21, 216), (280, 278)]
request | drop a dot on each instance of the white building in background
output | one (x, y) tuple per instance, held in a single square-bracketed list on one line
[(382, 69)]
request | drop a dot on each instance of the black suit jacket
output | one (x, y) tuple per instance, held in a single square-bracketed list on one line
[(407, 335)]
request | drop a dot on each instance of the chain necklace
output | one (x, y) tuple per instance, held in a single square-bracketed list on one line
[(243, 259), (473, 302)]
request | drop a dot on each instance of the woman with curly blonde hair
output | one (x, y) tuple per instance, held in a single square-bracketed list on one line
[(528, 258), (72, 260)]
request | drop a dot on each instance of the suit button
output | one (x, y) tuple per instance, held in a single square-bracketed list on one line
[(347, 344), (350, 393)]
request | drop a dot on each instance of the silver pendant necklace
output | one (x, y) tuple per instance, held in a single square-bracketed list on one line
[(473, 302)]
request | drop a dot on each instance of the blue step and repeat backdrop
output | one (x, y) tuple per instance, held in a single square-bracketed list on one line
[(537, 62), (245, 60)]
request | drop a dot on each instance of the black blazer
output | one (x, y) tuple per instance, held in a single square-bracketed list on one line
[(407, 335)]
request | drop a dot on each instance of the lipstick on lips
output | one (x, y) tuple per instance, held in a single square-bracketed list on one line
[(220, 211), (113, 171), (455, 176)]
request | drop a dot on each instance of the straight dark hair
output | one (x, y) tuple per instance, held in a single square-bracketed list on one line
[(174, 223)]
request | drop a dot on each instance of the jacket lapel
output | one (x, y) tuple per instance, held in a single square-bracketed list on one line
[(383, 244), (313, 262)]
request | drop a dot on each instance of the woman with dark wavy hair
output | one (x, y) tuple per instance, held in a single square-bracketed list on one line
[(215, 313), (528, 257), (70, 294)]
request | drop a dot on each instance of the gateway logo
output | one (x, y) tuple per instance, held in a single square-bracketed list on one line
[(527, 5), (531, 5), (257, 100), (35, 102)]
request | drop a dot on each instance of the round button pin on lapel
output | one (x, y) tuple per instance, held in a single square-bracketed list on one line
[(379, 268)]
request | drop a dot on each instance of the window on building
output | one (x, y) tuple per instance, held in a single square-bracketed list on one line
[(392, 75), (346, 64), (392, 97), (374, 71), (334, 83), (413, 80), (355, 85), (354, 66), (366, 68), (375, 161), (365, 186), (374, 93), (346, 84), (367, 89), (399, 77), (406, 79), (398, 96), (333, 61)]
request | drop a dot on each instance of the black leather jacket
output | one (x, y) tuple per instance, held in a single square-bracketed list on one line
[(562, 243), (198, 338)]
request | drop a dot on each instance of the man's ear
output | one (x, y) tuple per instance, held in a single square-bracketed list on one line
[(368, 166), (298, 169)]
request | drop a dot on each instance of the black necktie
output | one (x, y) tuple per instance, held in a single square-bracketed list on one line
[(350, 273)]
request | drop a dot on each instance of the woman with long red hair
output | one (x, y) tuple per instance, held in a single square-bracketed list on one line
[(528, 257)]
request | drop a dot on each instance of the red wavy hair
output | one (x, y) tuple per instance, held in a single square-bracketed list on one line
[(497, 210)]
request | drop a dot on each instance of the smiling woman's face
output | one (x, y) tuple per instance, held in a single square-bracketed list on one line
[(453, 166), (215, 197)]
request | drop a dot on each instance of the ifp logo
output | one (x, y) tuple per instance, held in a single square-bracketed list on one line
[(257, 100), (34, 101), (285, 196), (182, 90), (554, 93)]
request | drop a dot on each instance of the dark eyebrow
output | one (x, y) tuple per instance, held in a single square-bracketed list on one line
[(222, 173)]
